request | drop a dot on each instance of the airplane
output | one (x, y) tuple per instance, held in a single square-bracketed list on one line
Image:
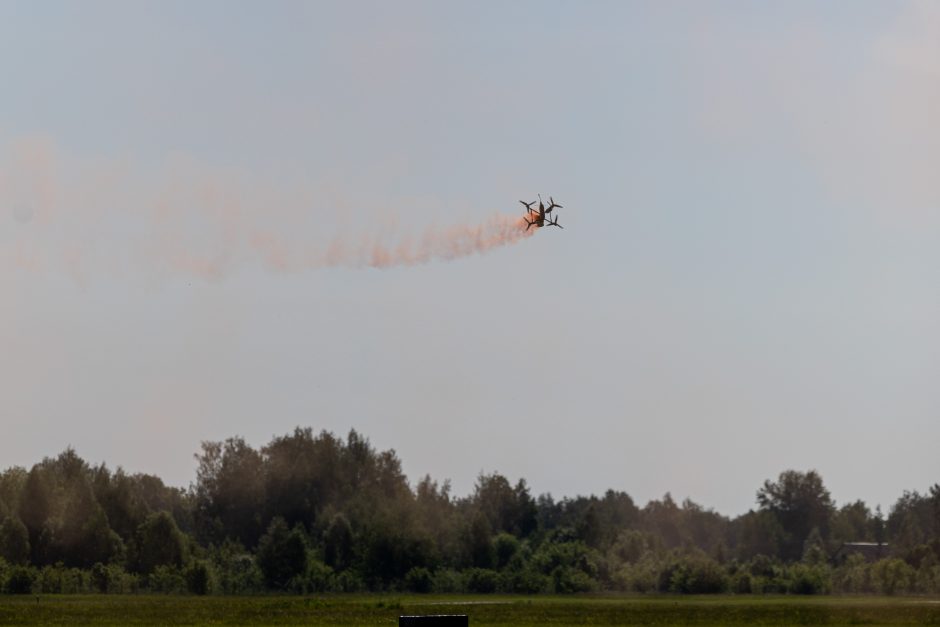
[(538, 220)]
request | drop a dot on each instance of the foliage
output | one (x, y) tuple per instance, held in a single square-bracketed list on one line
[(481, 580), (419, 579), (20, 580), (159, 543), (800, 503), (167, 579), (14, 540), (198, 576), (314, 513), (282, 554)]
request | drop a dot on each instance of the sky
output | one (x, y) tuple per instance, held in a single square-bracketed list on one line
[(234, 218)]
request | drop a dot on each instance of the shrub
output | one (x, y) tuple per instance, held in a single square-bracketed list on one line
[(100, 578), (198, 578), (566, 579), (481, 580), (893, 575), (418, 579), (854, 575), (697, 575), (631, 546), (320, 577), (506, 546), (741, 583), (447, 582), (167, 579), (642, 576), (806, 579), (20, 580), (524, 581), (350, 581), (235, 570)]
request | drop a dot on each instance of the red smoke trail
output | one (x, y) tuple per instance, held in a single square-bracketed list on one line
[(87, 216), (449, 243)]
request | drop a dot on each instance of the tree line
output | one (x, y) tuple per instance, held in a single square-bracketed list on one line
[(313, 512)]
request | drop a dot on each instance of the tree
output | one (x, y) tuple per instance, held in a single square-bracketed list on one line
[(14, 541), (437, 514), (301, 475), (664, 518), (82, 535), (12, 481), (800, 502), (507, 508), (35, 508), (159, 543), (478, 543), (100, 578), (282, 554), (852, 523), (229, 491), (198, 578), (758, 533), (506, 546), (338, 543)]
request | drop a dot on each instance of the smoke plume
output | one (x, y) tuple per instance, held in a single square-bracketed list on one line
[(181, 217)]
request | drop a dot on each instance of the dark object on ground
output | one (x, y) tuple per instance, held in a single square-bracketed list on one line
[(443, 620)]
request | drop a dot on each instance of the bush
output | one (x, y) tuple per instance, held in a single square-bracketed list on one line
[(806, 579), (447, 582), (928, 575), (235, 570), (419, 579), (768, 585), (525, 581), (20, 580), (741, 583), (167, 579), (481, 580), (49, 580), (506, 546), (198, 578), (641, 577), (697, 575), (349, 581), (100, 578), (631, 546), (853, 576), (61, 580), (893, 575), (320, 577), (566, 579)]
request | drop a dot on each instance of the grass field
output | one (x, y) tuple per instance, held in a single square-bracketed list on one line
[(483, 610)]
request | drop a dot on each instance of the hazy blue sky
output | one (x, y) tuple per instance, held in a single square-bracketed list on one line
[(748, 280)]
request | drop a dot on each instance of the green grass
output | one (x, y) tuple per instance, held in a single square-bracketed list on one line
[(483, 610)]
